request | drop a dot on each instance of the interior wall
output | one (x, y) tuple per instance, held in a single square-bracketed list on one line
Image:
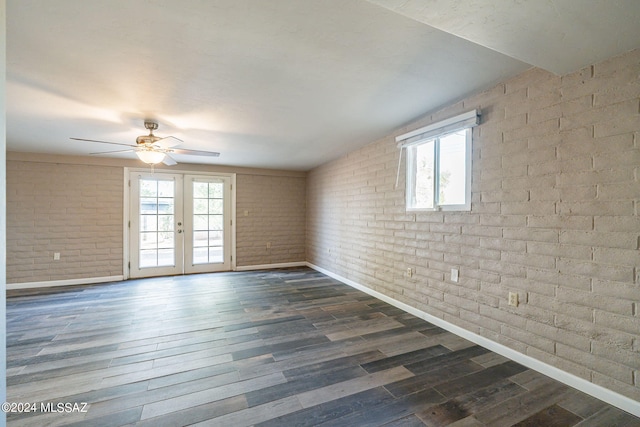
[(555, 218), (3, 215), (74, 206), (75, 210), (270, 219)]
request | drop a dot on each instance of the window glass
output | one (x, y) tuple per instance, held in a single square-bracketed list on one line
[(452, 173), (438, 172), (425, 174)]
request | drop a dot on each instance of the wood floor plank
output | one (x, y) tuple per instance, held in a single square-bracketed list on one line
[(285, 347), (307, 361), (383, 414), (37, 364), (255, 415), (520, 407), (610, 416), (320, 367), (78, 382), (465, 405), (211, 394), (470, 421), (331, 410), (114, 419), (405, 358), (352, 386), (581, 404), (480, 379), (19, 378), (161, 394), (553, 416), (408, 421), (191, 375), (432, 378), (45, 419), (197, 414), (303, 384), (153, 372)]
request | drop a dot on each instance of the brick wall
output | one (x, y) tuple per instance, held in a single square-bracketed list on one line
[(555, 217), (270, 209), (75, 210), (59, 204)]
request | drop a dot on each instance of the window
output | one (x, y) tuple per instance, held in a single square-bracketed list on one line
[(439, 164)]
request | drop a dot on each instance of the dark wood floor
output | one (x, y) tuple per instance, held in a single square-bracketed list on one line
[(269, 348)]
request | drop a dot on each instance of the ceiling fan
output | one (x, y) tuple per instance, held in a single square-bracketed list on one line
[(153, 149)]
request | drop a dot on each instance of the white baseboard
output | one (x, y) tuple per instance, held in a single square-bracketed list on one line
[(599, 392), (271, 266), (68, 282)]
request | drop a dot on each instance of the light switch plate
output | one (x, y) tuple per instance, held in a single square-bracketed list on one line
[(454, 275)]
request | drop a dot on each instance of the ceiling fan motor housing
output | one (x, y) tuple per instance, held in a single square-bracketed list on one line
[(151, 138), (147, 139)]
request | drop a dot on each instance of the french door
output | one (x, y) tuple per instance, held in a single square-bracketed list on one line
[(179, 224)]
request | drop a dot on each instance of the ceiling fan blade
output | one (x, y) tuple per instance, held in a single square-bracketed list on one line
[(103, 142), (168, 142), (168, 160), (111, 152), (194, 152)]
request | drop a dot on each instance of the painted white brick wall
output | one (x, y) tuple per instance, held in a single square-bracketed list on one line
[(555, 217), (75, 210), (275, 214)]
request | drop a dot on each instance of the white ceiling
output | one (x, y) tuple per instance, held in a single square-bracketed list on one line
[(286, 84)]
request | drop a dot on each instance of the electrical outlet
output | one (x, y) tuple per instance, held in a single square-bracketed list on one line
[(268, 245), (56, 256), (513, 299), (409, 272), (454, 275)]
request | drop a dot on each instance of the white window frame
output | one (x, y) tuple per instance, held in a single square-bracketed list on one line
[(434, 133)]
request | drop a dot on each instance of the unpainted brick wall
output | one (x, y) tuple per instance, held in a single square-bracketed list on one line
[(555, 217), (275, 215)]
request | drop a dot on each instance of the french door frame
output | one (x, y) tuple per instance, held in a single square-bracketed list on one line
[(129, 173)]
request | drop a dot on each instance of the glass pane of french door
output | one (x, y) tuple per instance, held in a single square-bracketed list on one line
[(179, 224), (207, 223), (156, 225), (208, 214)]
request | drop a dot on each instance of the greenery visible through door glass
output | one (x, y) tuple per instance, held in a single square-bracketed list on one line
[(156, 223), (215, 190), (208, 222), (216, 206), (201, 190), (200, 206)]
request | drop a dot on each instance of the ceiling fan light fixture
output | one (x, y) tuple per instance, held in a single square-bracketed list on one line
[(150, 157), (153, 149)]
